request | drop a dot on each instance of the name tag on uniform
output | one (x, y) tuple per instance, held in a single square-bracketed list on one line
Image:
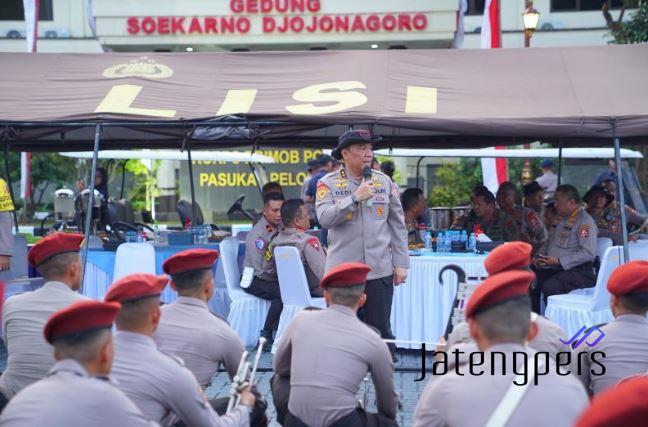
[(248, 275)]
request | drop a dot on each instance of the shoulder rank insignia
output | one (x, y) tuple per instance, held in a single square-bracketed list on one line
[(343, 174), (314, 243), (584, 231), (322, 190), (269, 228)]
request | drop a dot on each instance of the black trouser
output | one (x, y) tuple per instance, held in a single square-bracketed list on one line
[(268, 291), (377, 309), (353, 419), (556, 281), (280, 388), (3, 402)]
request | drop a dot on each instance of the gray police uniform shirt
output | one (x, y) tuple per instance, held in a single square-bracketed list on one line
[(191, 332), (162, 388), (572, 240), (469, 400), (327, 354), (375, 235), (625, 345), (70, 397), (547, 339), (310, 250), (6, 234), (257, 250), (30, 357)]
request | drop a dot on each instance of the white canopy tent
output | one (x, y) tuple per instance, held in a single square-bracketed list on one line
[(217, 156), (528, 153)]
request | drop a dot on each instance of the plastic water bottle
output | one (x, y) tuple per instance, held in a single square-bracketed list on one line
[(440, 241), (156, 233), (464, 239), (428, 240), (472, 243), (139, 237), (448, 241)]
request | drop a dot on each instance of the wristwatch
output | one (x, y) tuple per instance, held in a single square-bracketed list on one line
[(354, 199)]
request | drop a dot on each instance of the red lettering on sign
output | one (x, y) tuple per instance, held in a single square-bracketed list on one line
[(269, 24), (177, 25), (326, 24), (297, 24), (283, 28), (404, 22), (210, 25), (419, 21), (252, 6), (313, 26), (389, 22), (194, 27), (228, 25), (148, 25), (132, 26), (243, 25), (163, 25), (373, 23), (237, 6), (341, 24), (358, 24)]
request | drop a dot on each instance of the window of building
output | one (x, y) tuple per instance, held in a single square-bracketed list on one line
[(475, 7), (581, 5), (12, 10)]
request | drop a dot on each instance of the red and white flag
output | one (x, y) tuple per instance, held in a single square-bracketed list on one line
[(32, 10), (494, 171)]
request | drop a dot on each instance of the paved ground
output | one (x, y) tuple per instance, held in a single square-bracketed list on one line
[(408, 369)]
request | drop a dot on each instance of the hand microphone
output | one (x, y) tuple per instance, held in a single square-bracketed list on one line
[(366, 173)]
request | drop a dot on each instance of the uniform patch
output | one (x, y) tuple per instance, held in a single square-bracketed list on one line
[(533, 219), (584, 231), (322, 190), (380, 211), (395, 191), (341, 185), (259, 243), (349, 216), (268, 254), (314, 243), (343, 174), (269, 228), (379, 199)]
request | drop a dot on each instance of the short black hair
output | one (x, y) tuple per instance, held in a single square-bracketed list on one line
[(190, 280), (270, 187), (613, 181), (388, 168), (569, 191), (637, 302), (506, 186), (290, 210), (409, 197), (267, 198), (482, 191)]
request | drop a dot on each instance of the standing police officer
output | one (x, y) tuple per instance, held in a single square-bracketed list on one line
[(366, 224)]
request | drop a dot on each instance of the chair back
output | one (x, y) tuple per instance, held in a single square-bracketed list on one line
[(185, 211), (292, 277), (134, 258), (612, 258), (638, 250), (229, 258)]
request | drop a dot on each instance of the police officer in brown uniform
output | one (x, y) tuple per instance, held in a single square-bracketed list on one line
[(625, 343), (366, 224), (159, 384), (498, 315), (534, 198), (527, 221), (294, 216), (187, 329), (327, 353), (77, 391), (497, 224), (258, 256), (566, 261)]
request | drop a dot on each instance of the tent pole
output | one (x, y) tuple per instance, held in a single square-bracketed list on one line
[(86, 240), (417, 170), (10, 184), (621, 191), (123, 180), (191, 185), (560, 147)]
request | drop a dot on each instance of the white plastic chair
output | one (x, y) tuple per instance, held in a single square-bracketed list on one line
[(602, 244), (247, 313), (295, 293), (133, 258), (573, 311)]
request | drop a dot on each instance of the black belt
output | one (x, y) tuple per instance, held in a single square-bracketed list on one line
[(352, 419)]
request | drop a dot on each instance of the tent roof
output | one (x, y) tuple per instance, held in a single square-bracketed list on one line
[(413, 98), (220, 156), (530, 153)]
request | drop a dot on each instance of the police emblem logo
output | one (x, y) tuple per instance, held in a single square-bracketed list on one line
[(314, 243), (380, 211), (322, 190), (343, 174), (259, 243), (533, 219), (142, 67), (584, 231), (268, 254)]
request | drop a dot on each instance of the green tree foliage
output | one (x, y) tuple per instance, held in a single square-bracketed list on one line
[(635, 30), (144, 184), (454, 182)]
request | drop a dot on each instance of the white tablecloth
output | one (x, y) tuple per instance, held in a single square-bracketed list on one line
[(421, 306)]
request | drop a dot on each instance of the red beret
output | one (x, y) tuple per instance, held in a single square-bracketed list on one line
[(509, 256), (497, 288), (628, 278), (81, 316), (192, 259), (621, 406), (54, 244), (136, 286), (346, 274)]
